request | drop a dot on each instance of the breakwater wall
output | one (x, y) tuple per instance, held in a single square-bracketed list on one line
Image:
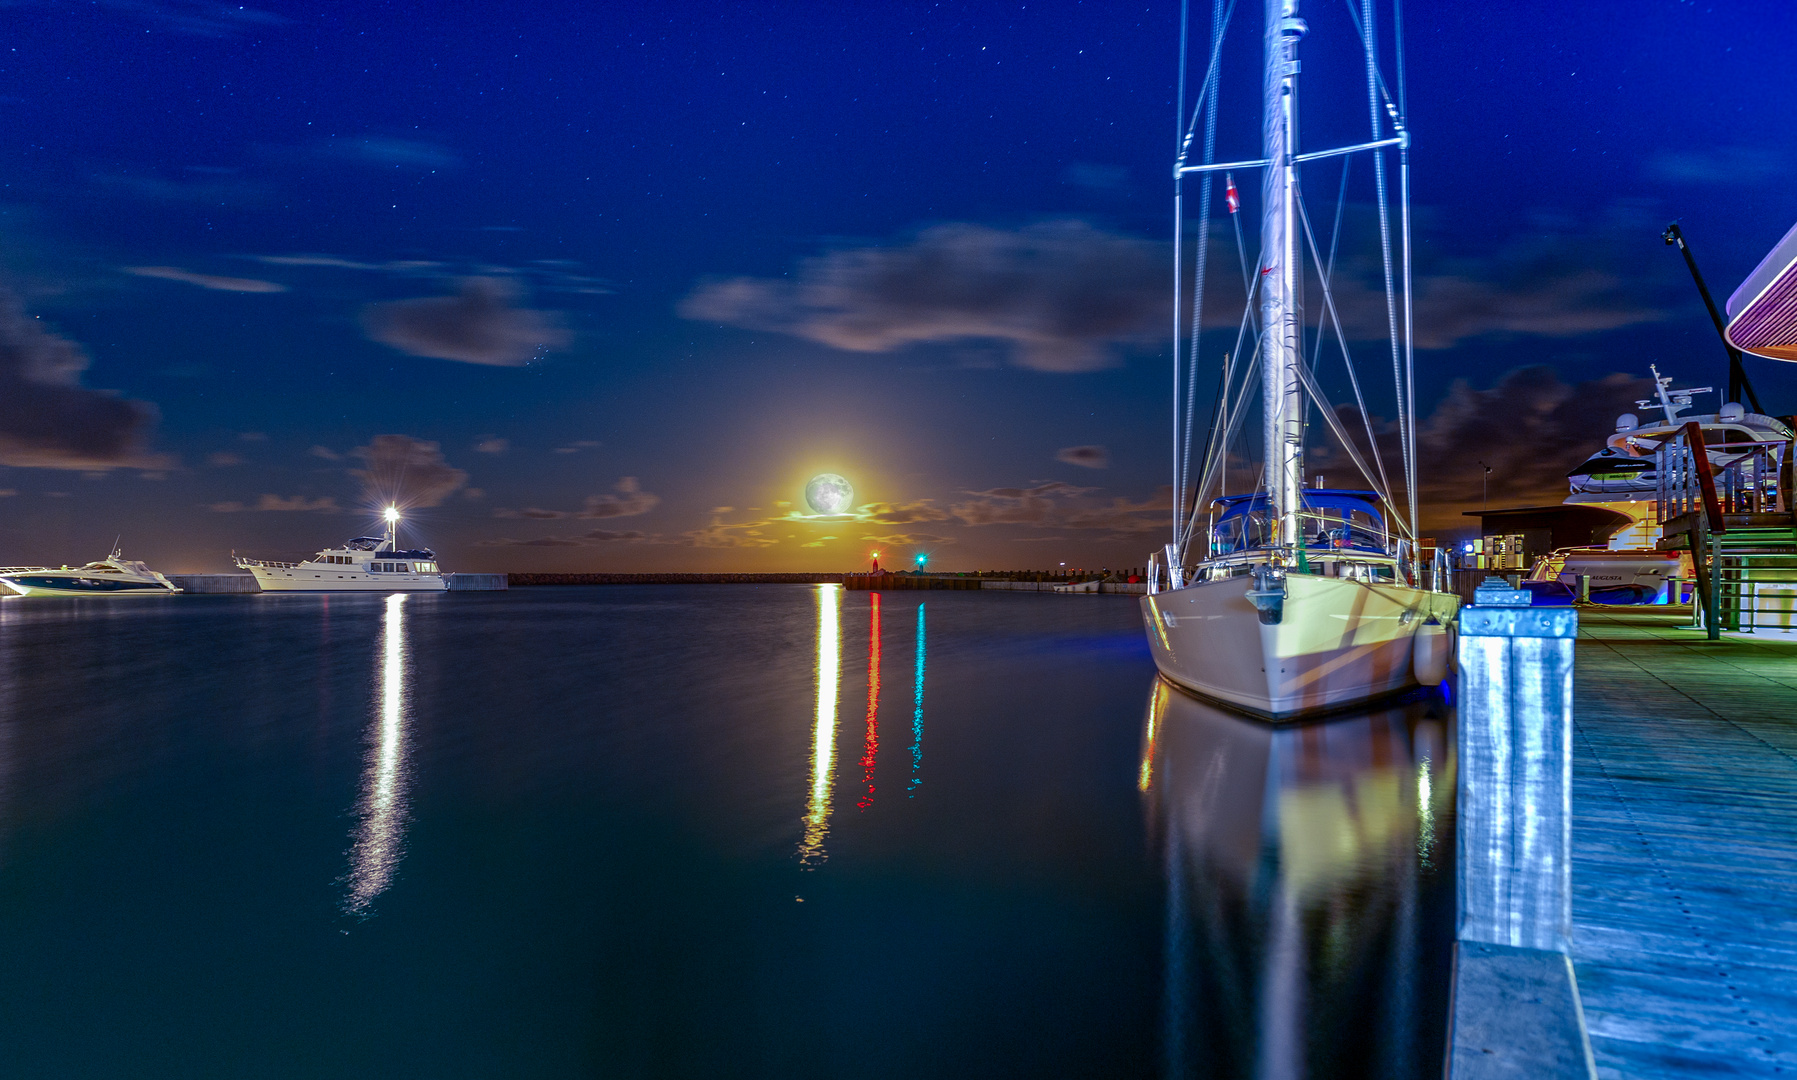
[(519, 581), (477, 582), (200, 584)]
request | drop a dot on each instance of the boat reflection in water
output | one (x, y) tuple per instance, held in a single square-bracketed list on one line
[(1310, 889), (380, 833)]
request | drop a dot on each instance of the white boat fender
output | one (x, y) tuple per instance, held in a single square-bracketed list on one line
[(1429, 653)]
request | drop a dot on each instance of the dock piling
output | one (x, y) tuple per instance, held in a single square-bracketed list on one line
[(1516, 1008)]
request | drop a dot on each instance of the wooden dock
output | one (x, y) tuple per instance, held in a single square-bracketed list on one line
[(1685, 848)]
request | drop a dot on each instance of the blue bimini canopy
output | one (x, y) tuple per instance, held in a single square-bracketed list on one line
[(1345, 500)]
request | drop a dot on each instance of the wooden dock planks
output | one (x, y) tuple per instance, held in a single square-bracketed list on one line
[(1685, 849)]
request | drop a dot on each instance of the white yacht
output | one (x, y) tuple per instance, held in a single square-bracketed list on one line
[(111, 576), (1623, 478), (1304, 599), (362, 564)]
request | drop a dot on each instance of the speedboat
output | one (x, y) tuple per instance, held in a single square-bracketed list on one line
[(360, 564), (112, 576)]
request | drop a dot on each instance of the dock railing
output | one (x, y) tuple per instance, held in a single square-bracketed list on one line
[(1731, 505)]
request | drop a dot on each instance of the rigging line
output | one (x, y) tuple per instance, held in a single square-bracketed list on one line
[(1179, 139), (1397, 35), (1241, 335), (1397, 21), (1384, 91), (1237, 415), (1391, 304), (1211, 80), (1178, 328), (1198, 273), (1409, 332), (1382, 484), (1341, 336), (1334, 423), (1328, 269)]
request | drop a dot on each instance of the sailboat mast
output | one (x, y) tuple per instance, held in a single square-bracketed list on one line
[(1281, 321)]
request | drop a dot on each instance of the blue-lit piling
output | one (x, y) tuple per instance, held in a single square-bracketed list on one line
[(1516, 1009)]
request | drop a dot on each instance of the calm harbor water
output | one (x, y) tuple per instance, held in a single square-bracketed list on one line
[(695, 831)]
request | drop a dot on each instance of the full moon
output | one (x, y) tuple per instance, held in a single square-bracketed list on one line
[(828, 493)]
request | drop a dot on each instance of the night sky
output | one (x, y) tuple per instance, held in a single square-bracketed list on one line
[(600, 286)]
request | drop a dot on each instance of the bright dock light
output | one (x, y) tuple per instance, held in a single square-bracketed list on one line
[(392, 514)]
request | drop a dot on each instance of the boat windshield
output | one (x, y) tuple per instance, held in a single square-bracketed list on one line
[(1330, 520)]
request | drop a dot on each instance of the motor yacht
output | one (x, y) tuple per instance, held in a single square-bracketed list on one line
[(112, 576), (360, 564), (1623, 478)]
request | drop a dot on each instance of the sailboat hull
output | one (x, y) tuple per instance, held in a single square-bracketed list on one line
[(1338, 642)]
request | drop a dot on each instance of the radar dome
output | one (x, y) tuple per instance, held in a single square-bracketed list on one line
[(1732, 413), (1628, 421)]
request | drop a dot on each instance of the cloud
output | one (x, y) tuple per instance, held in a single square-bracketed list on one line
[(406, 471), (629, 501), (253, 436), (1738, 165), (7, 493), (325, 452), (206, 281), (547, 541), (607, 536), (901, 513), (211, 189), (47, 418), (1108, 179), (1554, 281), (386, 152), (909, 539), (1530, 428), (576, 447), (1060, 293), (718, 534), (277, 504), (1063, 506), (199, 18), (492, 444), (1086, 457), (224, 459), (477, 326), (626, 499)]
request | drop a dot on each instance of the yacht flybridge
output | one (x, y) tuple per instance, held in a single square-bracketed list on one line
[(361, 564), (112, 576), (1292, 598), (1623, 476)]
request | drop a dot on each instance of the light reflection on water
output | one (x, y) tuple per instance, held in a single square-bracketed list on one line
[(1307, 915), (380, 835), (917, 711), (823, 727), (871, 749)]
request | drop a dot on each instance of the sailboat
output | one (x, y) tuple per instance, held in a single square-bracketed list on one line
[(1293, 599)]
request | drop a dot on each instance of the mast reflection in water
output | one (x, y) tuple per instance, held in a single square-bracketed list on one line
[(380, 836), (1310, 904), (823, 728)]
